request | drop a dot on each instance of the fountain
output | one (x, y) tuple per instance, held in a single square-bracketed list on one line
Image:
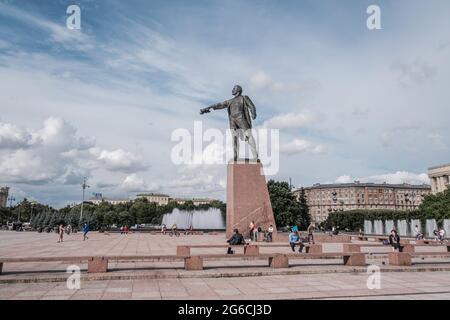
[(378, 227), (402, 226), (368, 227), (413, 224), (447, 227), (389, 225), (431, 226), (210, 219)]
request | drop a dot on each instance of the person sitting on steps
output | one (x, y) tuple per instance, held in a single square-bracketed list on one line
[(294, 240), (394, 240), (236, 240)]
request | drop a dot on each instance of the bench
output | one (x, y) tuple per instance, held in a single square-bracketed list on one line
[(410, 248), (185, 250), (249, 249), (95, 264), (405, 258), (278, 260)]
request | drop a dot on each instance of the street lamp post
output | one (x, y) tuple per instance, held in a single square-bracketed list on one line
[(84, 186), (11, 199)]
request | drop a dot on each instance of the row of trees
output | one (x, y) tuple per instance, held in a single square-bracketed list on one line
[(25, 211), (287, 209), (100, 216), (433, 207)]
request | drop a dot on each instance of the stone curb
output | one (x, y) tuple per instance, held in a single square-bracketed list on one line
[(210, 274)]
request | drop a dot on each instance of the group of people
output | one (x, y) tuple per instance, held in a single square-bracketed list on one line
[(394, 238), (175, 231), (294, 237), (68, 229), (296, 240), (439, 235), (254, 231), (124, 229)]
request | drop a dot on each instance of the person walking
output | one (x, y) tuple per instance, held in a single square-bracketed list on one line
[(69, 229), (61, 233), (256, 232), (85, 231), (311, 229), (164, 229)]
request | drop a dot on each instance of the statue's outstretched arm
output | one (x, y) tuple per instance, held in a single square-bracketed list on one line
[(217, 106)]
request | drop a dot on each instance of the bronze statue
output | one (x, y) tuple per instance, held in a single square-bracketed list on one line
[(241, 111)]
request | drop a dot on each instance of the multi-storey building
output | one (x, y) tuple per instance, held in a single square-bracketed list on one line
[(440, 178), (98, 199), (160, 199), (196, 201), (325, 199), (4, 191)]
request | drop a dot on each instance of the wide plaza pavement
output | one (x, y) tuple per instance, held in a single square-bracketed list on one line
[(305, 279)]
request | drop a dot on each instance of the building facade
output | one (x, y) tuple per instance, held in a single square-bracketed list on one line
[(325, 199), (196, 201), (99, 199), (158, 198), (440, 178), (4, 192)]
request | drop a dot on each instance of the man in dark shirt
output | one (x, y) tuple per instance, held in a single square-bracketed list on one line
[(236, 240)]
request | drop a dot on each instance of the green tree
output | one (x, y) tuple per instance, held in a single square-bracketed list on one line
[(305, 217), (125, 218), (286, 208), (436, 206)]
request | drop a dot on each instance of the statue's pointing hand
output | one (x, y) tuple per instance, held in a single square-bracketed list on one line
[(206, 110)]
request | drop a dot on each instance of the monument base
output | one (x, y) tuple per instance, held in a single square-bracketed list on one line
[(248, 198)]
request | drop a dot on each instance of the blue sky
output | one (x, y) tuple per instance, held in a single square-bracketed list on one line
[(102, 102)]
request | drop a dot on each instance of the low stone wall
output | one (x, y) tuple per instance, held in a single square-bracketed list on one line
[(318, 238)]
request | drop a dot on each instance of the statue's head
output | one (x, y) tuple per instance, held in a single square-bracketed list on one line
[(237, 90)]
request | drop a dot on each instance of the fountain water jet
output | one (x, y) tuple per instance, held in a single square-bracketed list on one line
[(368, 227), (211, 219), (378, 227), (389, 225), (402, 226), (431, 226)]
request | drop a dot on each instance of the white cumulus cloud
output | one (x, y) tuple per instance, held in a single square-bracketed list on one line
[(13, 137), (291, 120), (134, 183), (301, 146), (121, 160), (55, 153)]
